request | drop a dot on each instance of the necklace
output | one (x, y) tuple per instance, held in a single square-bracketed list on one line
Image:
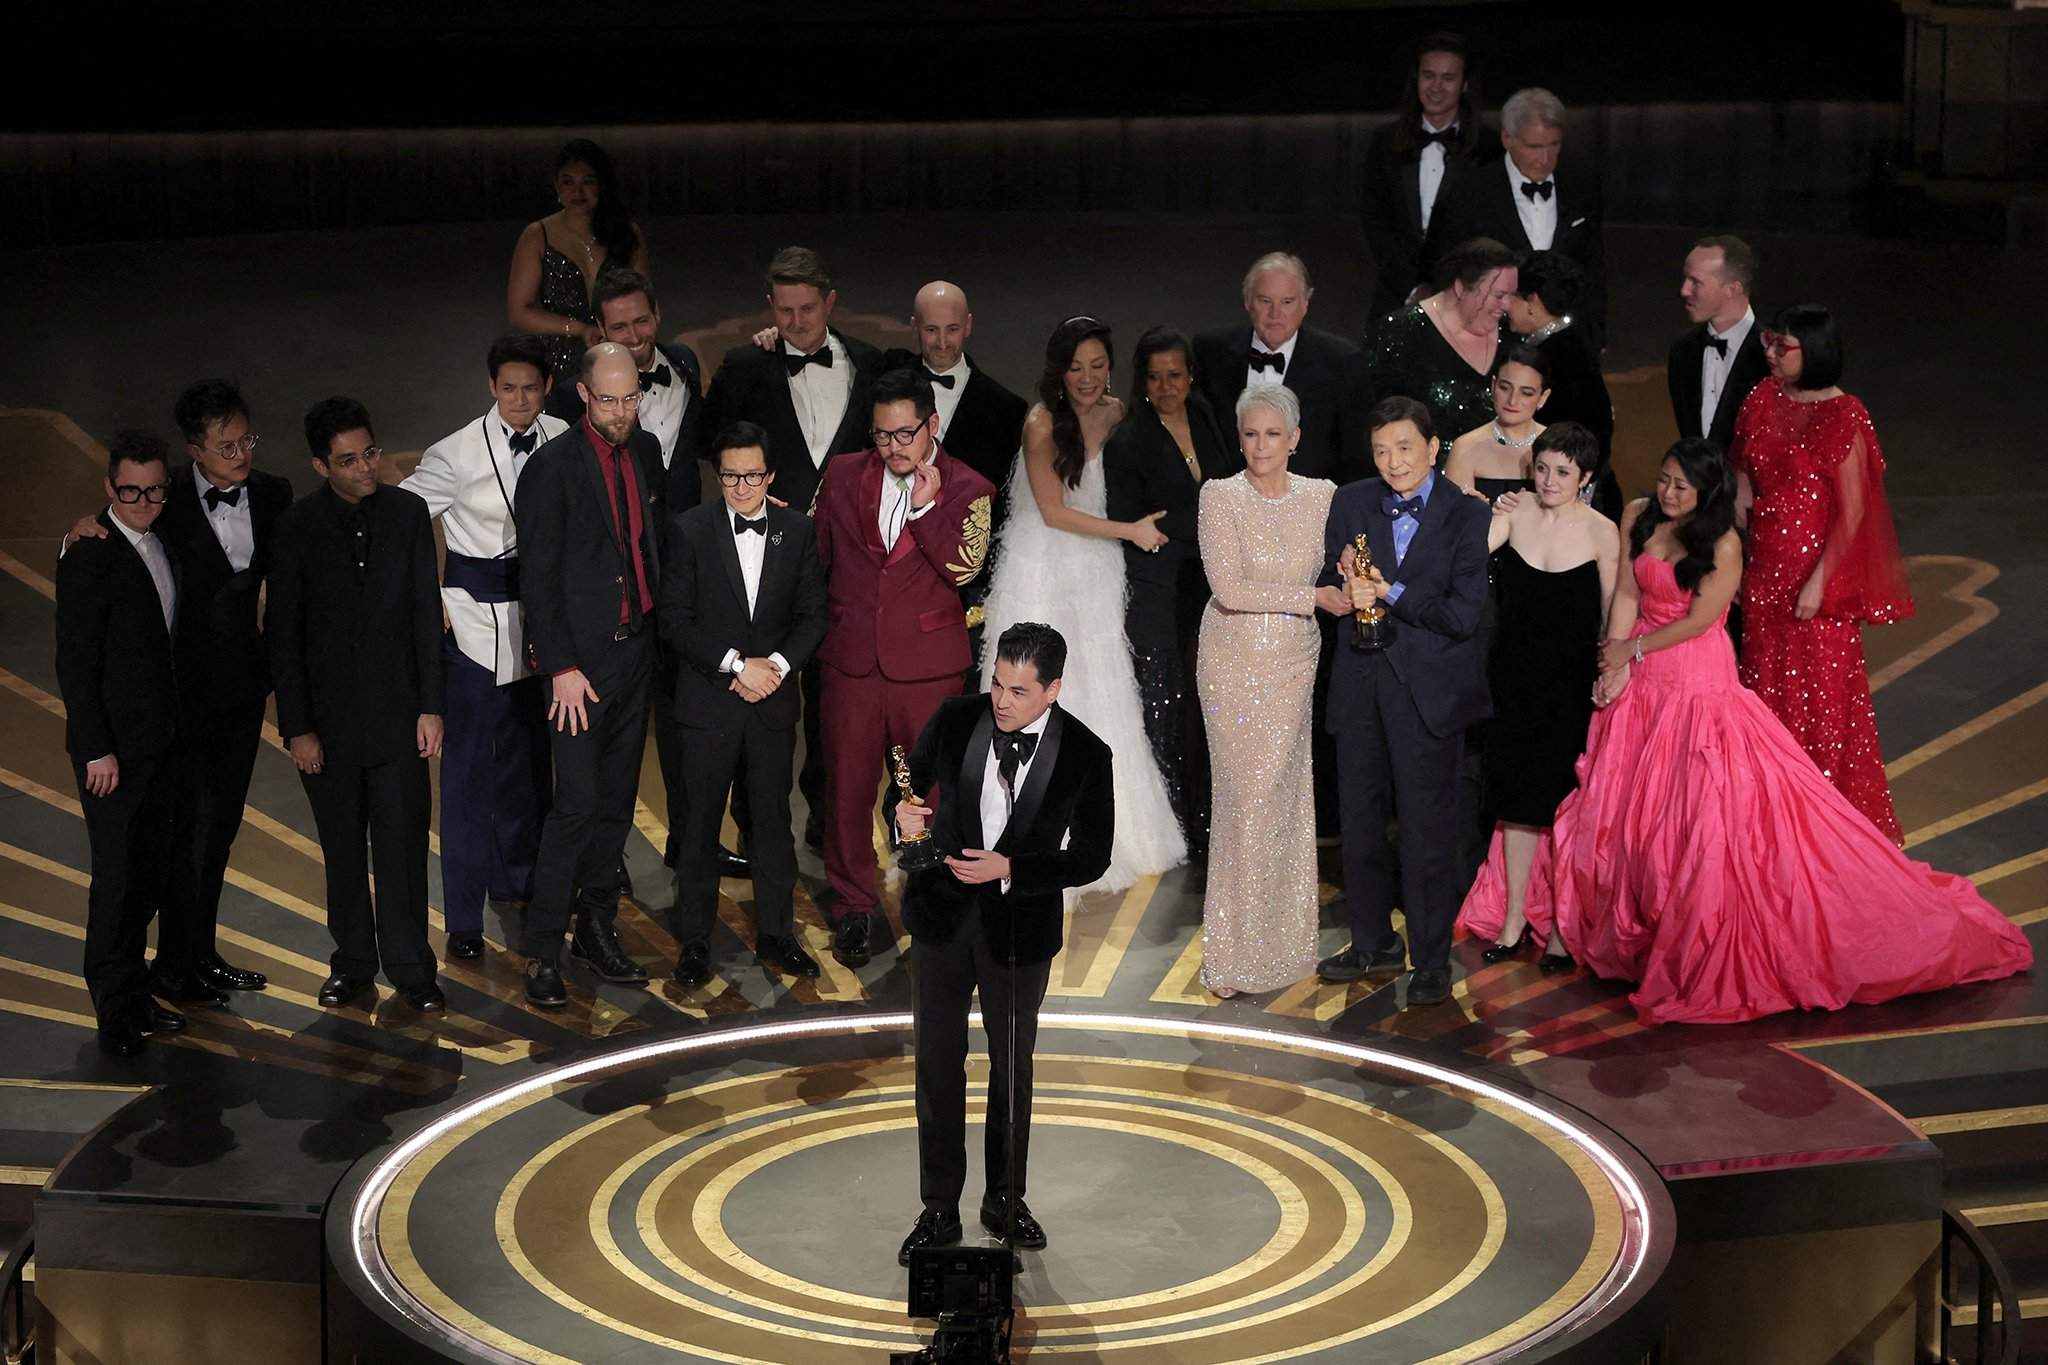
[(1502, 437), (1547, 330)]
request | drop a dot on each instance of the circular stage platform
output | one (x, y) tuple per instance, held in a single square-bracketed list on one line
[(1212, 1193)]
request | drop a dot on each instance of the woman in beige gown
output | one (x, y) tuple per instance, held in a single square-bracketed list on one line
[(1262, 547)]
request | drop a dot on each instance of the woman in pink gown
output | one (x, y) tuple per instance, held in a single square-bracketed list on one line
[(1703, 855)]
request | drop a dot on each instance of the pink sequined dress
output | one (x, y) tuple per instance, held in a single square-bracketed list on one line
[(1818, 477), (1706, 858)]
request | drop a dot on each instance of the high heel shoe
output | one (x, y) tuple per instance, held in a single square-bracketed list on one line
[(1501, 952), (1552, 963)]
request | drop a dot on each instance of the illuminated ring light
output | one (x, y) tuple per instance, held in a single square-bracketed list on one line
[(1645, 1213)]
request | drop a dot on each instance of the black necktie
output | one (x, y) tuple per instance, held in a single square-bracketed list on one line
[(1013, 749), (1267, 360), (1442, 136), (944, 381), (741, 525), (522, 444), (1538, 189), (216, 496), (796, 363), (1720, 345), (660, 374)]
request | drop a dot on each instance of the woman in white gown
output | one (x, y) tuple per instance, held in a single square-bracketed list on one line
[(1060, 562)]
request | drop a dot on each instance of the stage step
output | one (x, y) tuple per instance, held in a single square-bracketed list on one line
[(41, 1121), (1996, 1171)]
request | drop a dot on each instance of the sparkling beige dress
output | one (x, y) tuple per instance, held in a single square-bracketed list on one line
[(1256, 673)]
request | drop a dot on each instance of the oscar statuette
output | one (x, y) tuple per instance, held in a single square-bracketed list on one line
[(919, 851), (1371, 631)]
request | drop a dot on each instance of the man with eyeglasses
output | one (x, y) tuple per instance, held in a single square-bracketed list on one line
[(355, 645), (743, 607), (589, 570), (117, 612), (901, 529)]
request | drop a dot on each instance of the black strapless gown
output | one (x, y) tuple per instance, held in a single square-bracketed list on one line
[(1542, 671)]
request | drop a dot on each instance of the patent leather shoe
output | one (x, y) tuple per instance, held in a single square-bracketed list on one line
[(1355, 962), (154, 1018), (1025, 1231), (783, 951), (1501, 952), (544, 984), (1428, 986), (426, 999), (693, 966), (338, 990), (186, 988), (1550, 964), (223, 977), (465, 947), (934, 1228), (850, 941)]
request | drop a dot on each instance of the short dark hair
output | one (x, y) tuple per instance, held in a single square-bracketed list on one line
[(618, 282), (1161, 341), (738, 436), (799, 265), (1522, 353), (1471, 261), (520, 348), (205, 402), (330, 417), (1553, 277), (1738, 258), (906, 385), (1820, 343), (132, 445), (1388, 411), (1575, 443), (1037, 644)]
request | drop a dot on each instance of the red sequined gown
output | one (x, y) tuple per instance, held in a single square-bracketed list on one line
[(1818, 477)]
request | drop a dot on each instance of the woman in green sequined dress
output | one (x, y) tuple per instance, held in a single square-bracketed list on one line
[(1440, 351)]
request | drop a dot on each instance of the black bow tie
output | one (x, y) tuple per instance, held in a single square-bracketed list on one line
[(660, 374), (216, 496), (1720, 345), (1538, 189), (796, 363), (944, 381), (741, 525), (1013, 749), (1267, 360), (1397, 507), (522, 443), (1442, 136)]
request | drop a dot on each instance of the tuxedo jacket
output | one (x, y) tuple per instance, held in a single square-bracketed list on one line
[(1682, 371), (1390, 208), (571, 562), (898, 611), (1438, 652), (1059, 834), (1145, 473), (1482, 204), (679, 486), (356, 654), (222, 662), (704, 612), (987, 427), (115, 665), (753, 385), (1327, 373)]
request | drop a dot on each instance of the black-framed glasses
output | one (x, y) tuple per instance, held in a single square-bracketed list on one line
[(351, 460), (901, 436), (752, 478), (152, 493)]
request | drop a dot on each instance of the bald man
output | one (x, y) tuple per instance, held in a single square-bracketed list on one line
[(589, 575)]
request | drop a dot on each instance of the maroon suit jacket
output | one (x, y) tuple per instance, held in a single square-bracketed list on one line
[(899, 611)]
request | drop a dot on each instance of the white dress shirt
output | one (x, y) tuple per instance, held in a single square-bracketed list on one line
[(996, 804), (946, 400), (1253, 375), (1714, 367), (894, 511), (157, 562), (753, 552), (1538, 215), (819, 395), (662, 407), (231, 525), (1429, 172)]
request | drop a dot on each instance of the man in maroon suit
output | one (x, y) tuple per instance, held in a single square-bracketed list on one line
[(901, 528)]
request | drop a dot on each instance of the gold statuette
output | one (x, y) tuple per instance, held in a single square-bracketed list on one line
[(1371, 631), (914, 852)]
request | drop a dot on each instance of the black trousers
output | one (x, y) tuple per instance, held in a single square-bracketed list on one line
[(1389, 765), (718, 758), (597, 777), (669, 750), (375, 813), (943, 979), (216, 755), (129, 830), (810, 778)]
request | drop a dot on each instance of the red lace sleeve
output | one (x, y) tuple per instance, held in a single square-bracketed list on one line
[(1863, 574)]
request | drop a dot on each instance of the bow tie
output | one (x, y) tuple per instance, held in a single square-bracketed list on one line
[(523, 442), (1013, 749), (1442, 136), (796, 363), (1267, 360), (1720, 345), (1397, 507), (944, 381), (1538, 189), (216, 496), (660, 374), (741, 525)]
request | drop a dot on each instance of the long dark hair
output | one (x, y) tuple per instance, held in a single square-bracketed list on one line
[(1069, 455), (1407, 134), (612, 224), (1706, 468)]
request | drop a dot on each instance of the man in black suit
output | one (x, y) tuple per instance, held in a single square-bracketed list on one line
[(1400, 715), (1026, 808), (355, 646), (590, 569), (1720, 358), (1524, 203), (743, 607), (117, 608)]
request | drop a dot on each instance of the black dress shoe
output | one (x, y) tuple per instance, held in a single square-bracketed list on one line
[(544, 984), (1025, 1232), (693, 966), (121, 1038), (785, 952), (731, 864), (224, 977), (1552, 963), (597, 946), (1429, 986), (465, 947), (426, 999), (186, 988), (934, 1228), (339, 990), (1501, 952), (154, 1018), (1353, 962), (850, 941)]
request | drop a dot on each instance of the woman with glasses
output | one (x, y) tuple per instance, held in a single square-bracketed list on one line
[(1061, 563), (1823, 555), (558, 259)]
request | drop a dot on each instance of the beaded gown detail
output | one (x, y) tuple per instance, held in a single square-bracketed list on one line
[(1406, 355), (1706, 858), (564, 291), (1818, 476), (1256, 674)]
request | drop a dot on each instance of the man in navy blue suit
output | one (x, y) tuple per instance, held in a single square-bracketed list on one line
[(1399, 714)]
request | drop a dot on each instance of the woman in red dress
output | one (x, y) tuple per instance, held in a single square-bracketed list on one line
[(1823, 556)]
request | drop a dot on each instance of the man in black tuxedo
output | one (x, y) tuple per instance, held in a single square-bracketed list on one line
[(117, 608), (743, 607), (1025, 809), (355, 646), (1523, 202), (1717, 361), (590, 568), (1400, 715)]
